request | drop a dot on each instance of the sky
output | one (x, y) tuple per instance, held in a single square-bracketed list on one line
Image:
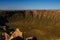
[(29, 4)]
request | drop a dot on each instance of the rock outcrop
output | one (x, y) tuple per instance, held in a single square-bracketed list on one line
[(16, 33)]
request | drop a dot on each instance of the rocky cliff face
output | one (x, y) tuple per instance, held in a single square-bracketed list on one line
[(53, 14), (34, 13)]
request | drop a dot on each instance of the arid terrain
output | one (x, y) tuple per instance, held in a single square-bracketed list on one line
[(43, 24)]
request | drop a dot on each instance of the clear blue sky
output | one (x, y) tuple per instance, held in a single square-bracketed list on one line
[(29, 4)]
